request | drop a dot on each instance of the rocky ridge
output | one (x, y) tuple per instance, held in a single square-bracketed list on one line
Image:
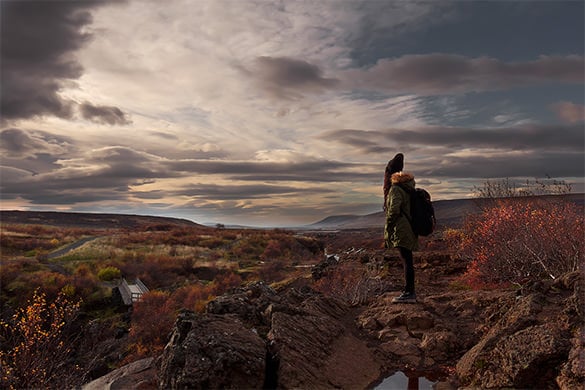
[(296, 337)]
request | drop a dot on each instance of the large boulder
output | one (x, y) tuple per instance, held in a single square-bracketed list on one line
[(212, 352), (472, 366), (533, 344), (525, 359), (139, 375), (247, 303)]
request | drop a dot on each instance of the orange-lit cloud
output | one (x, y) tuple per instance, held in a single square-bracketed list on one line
[(569, 112)]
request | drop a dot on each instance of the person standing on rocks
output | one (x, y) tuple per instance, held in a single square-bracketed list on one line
[(397, 230)]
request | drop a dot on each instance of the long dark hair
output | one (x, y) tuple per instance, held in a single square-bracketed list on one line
[(387, 183)]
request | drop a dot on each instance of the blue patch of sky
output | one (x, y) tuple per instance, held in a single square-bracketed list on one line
[(509, 31), (490, 108)]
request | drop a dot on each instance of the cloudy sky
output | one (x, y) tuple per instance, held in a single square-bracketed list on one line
[(279, 113)]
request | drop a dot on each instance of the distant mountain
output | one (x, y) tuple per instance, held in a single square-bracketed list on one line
[(89, 220), (340, 220), (449, 213)]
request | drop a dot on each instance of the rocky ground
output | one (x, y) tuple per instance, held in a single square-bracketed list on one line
[(296, 337)]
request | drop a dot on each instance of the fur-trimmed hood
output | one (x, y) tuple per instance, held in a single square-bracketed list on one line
[(402, 177)]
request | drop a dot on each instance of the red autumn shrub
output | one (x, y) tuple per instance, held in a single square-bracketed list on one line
[(272, 271), (152, 319), (521, 240), (156, 271), (225, 281), (273, 249), (192, 297)]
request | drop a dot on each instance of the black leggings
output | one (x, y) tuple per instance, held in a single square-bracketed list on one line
[(406, 256)]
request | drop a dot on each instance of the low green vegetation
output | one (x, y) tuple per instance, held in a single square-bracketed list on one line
[(108, 274)]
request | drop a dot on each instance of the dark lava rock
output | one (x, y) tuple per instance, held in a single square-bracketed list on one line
[(532, 345), (212, 352), (139, 375)]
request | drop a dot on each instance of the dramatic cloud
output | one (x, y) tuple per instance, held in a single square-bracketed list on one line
[(449, 73), (38, 43), (88, 178), (525, 151), (420, 74), (288, 77), (123, 170), (318, 171), (498, 165), (116, 163), (33, 67), (18, 143), (248, 191), (533, 137), (103, 114)]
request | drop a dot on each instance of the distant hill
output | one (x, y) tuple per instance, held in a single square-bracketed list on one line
[(89, 220), (449, 213)]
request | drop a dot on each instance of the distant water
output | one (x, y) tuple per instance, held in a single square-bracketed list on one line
[(399, 381)]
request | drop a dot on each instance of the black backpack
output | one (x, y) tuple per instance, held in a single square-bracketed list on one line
[(421, 211)]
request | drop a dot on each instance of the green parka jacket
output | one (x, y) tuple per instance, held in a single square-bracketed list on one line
[(397, 230)]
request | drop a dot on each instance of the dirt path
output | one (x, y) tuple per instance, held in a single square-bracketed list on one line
[(70, 247)]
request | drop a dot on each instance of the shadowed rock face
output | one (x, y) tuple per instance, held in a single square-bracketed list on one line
[(212, 352), (140, 374), (316, 347)]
